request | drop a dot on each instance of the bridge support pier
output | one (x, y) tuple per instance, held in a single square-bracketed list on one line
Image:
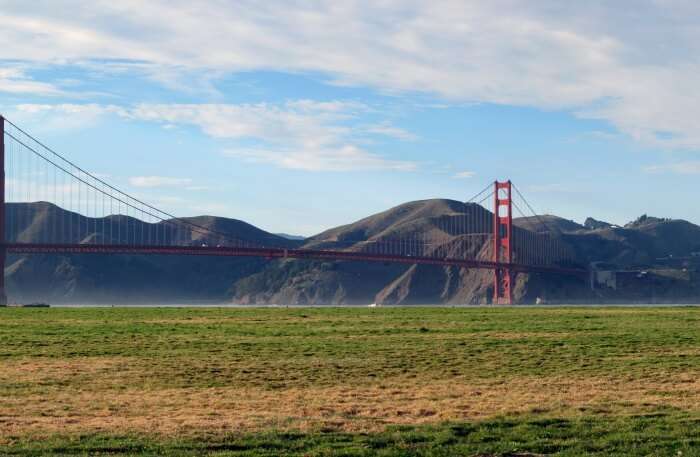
[(3, 241), (503, 243)]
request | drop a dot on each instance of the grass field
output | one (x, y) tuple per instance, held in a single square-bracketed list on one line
[(340, 381)]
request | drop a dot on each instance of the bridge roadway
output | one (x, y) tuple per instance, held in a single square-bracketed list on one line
[(281, 253)]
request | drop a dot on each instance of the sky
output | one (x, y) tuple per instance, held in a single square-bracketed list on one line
[(297, 116)]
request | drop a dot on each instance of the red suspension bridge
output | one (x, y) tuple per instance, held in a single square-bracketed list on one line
[(85, 214)]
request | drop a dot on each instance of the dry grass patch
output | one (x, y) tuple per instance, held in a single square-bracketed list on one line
[(98, 373), (519, 335), (172, 412)]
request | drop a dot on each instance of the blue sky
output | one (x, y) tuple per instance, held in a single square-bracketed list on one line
[(300, 116)]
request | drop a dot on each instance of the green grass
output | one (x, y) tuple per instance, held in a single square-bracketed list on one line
[(671, 435), (62, 368), (312, 345)]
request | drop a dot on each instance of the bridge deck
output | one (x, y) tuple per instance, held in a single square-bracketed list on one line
[(281, 253)]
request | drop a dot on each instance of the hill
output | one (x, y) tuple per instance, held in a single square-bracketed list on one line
[(660, 257), (658, 249), (548, 223), (121, 278), (442, 221)]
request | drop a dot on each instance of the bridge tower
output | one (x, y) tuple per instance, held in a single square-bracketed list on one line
[(3, 241), (503, 242)]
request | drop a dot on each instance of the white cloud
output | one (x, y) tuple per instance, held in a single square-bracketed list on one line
[(301, 134), (341, 158), (158, 181), (14, 80), (61, 117), (274, 123), (343, 108), (596, 58), (679, 168), (464, 175), (392, 131)]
